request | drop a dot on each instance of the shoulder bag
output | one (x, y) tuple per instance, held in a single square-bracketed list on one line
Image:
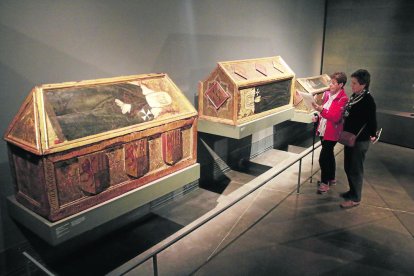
[(348, 139)]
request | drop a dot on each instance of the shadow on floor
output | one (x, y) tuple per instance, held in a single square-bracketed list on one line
[(86, 255)]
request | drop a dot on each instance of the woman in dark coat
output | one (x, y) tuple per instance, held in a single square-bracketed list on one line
[(359, 114)]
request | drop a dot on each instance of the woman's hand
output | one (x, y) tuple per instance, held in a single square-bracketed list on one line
[(317, 107)]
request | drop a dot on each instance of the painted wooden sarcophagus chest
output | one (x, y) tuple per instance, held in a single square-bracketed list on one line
[(78, 144), (315, 85), (240, 91)]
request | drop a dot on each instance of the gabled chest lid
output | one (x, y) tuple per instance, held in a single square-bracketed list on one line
[(57, 117), (250, 72), (313, 85)]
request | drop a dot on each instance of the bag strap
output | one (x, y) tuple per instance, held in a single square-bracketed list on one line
[(362, 128)]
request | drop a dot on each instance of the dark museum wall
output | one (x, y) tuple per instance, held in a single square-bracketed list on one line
[(378, 36), (47, 41)]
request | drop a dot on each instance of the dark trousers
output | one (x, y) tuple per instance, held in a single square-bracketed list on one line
[(327, 161), (354, 168)]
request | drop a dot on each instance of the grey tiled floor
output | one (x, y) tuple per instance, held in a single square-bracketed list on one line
[(276, 231)]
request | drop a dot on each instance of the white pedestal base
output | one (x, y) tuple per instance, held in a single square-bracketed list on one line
[(243, 130), (62, 230)]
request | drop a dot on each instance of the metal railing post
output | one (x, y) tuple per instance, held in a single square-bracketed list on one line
[(300, 171), (155, 264), (28, 272)]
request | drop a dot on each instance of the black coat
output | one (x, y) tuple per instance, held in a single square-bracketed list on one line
[(361, 113)]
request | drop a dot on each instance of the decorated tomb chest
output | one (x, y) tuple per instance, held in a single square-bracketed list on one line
[(314, 85), (240, 91), (77, 144)]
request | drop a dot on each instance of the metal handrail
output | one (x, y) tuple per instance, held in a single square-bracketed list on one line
[(156, 249), (32, 260)]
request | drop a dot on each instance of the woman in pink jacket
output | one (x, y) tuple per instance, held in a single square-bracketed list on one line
[(330, 126)]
